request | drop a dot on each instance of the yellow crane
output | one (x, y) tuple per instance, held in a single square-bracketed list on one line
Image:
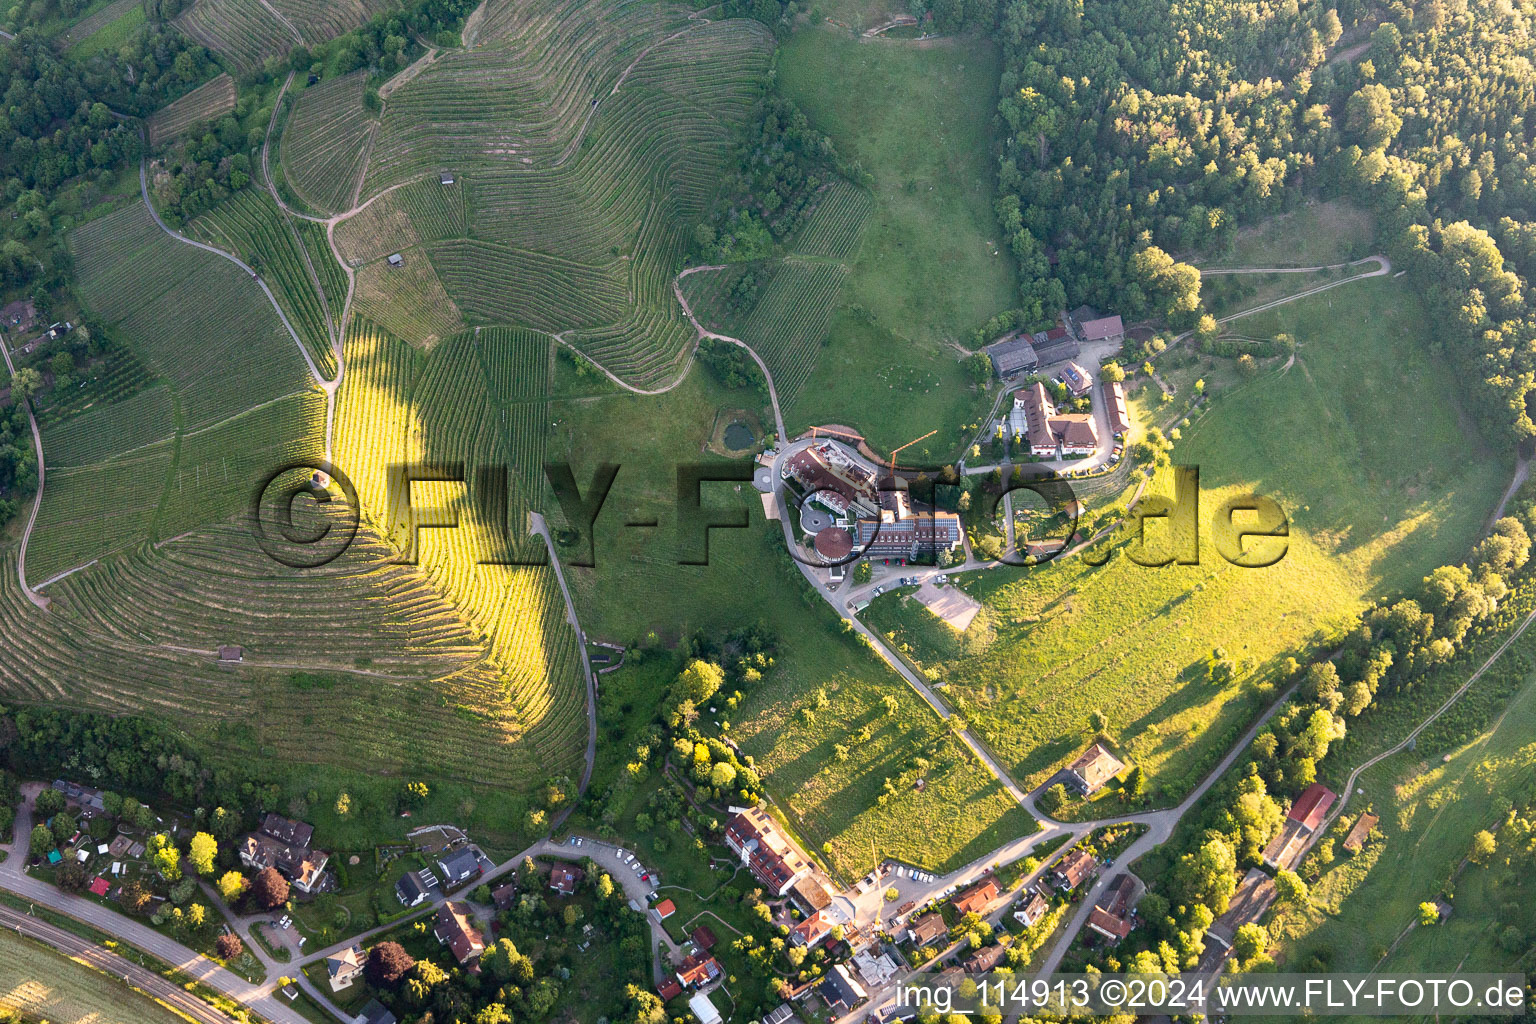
[(909, 444)]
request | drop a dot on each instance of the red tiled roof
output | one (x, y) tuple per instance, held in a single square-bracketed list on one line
[(101, 886), (978, 897), (669, 989), (665, 909), (703, 937), (1109, 925), (1312, 806)]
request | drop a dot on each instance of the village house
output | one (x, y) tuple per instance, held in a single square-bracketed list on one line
[(1305, 817), (343, 968), (978, 898), (773, 858), (455, 929), (1055, 346), (1031, 910), (703, 937), (563, 878), (1108, 328), (503, 895), (85, 800), (813, 931), (375, 1012), (698, 970), (283, 843), (664, 910), (1092, 770), (414, 886), (1076, 379), (669, 990), (1113, 916), (1077, 865), (840, 991), (926, 930)]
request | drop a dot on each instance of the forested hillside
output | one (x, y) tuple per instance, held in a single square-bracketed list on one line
[(1132, 125)]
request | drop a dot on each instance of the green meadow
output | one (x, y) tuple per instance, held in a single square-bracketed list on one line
[(1364, 447)]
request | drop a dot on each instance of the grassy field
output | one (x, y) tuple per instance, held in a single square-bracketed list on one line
[(931, 267), (637, 587), (1375, 500), (104, 29), (41, 984), (1366, 904), (1318, 234)]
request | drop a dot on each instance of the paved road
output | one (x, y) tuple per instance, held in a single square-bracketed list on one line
[(37, 503), (107, 962), (541, 528)]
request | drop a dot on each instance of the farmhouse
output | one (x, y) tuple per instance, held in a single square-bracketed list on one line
[(1055, 346), (1048, 432), (1362, 829), (1114, 407), (1012, 356), (926, 930), (1093, 768), (698, 970), (1306, 815), (1032, 910), (1113, 916), (1073, 868), (563, 878), (459, 866), (1108, 328), (1253, 896), (344, 967), (978, 897), (1076, 379), (283, 843), (455, 929), (840, 991), (763, 847)]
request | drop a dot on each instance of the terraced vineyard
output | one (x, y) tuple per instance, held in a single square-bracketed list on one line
[(836, 224), (583, 139), (250, 225), (408, 300), (395, 407), (105, 431), (325, 140), (319, 20), (209, 101), (789, 322), (244, 32), (194, 317), (90, 511)]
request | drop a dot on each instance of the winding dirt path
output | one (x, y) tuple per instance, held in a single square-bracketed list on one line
[(37, 502)]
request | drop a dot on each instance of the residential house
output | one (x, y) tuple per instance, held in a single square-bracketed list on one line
[(1113, 916), (414, 886), (1093, 768), (1077, 865), (926, 930), (1013, 356), (1115, 409), (459, 866), (375, 1012), (283, 843), (84, 799), (703, 937), (978, 897), (455, 929), (564, 878), (669, 990), (1360, 832), (664, 910), (772, 856), (1050, 433), (813, 931), (1031, 910), (698, 970), (840, 991), (985, 959), (343, 968), (503, 895)]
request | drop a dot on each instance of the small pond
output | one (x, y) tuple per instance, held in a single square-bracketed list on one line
[(738, 436)]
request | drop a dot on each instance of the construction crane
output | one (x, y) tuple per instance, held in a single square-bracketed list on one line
[(909, 444)]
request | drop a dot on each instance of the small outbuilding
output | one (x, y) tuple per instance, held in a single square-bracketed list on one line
[(396, 260)]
